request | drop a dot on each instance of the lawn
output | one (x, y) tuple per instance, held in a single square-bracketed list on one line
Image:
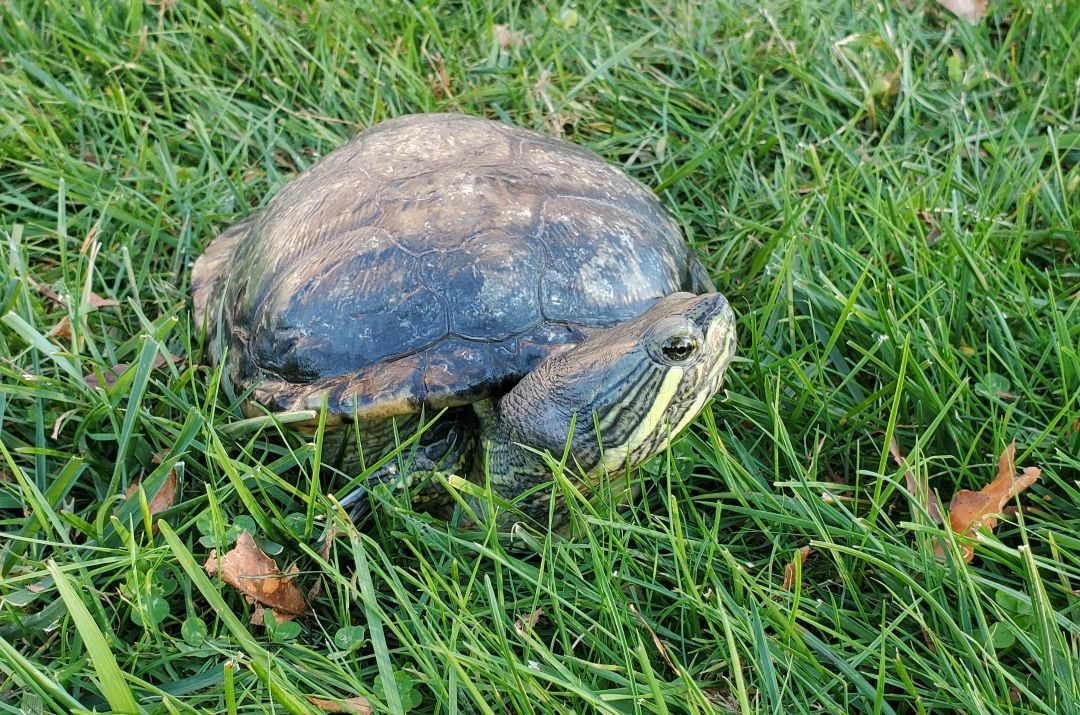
[(887, 195)]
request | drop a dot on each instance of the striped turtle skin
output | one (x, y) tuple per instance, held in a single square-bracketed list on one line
[(445, 262)]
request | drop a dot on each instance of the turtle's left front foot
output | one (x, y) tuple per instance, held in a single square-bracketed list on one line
[(358, 502)]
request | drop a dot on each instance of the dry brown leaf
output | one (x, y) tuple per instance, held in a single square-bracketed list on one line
[(971, 511), (527, 621), (357, 706), (249, 570), (47, 291), (791, 567), (112, 374), (59, 423), (655, 639), (970, 10), (96, 301), (920, 490), (165, 497), (439, 79), (324, 553), (507, 38), (62, 330)]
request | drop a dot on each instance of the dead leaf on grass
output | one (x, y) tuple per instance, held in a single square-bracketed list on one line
[(47, 292), (655, 639), (971, 511), (527, 621), (59, 423), (507, 38), (96, 301), (324, 554), (357, 706), (919, 489), (249, 570), (165, 497), (794, 566), (62, 330), (112, 374), (970, 10)]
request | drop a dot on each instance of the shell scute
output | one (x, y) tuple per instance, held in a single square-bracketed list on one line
[(430, 261)]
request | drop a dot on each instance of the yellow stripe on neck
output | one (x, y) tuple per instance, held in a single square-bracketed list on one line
[(616, 457)]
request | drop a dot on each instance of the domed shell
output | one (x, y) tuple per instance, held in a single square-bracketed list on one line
[(433, 260)]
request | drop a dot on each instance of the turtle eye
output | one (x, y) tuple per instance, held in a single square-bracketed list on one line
[(678, 348)]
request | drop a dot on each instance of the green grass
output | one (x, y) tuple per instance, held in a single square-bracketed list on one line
[(888, 196)]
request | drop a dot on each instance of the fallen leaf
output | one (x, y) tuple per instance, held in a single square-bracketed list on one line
[(970, 10), (358, 705), (112, 374), (165, 497), (249, 570), (527, 621), (791, 567), (508, 38), (971, 511), (98, 302), (655, 639), (48, 292), (920, 490), (59, 423), (933, 229), (438, 78), (62, 330), (324, 553)]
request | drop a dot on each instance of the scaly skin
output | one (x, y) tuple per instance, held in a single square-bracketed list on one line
[(640, 400), (447, 262)]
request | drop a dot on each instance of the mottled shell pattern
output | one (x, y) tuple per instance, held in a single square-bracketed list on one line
[(433, 260)]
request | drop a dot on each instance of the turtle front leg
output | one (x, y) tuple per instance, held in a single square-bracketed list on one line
[(358, 502), (443, 450)]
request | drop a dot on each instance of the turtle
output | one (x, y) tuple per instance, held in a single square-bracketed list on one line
[(540, 301)]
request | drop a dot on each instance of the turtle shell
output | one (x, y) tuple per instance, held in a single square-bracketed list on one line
[(433, 260)]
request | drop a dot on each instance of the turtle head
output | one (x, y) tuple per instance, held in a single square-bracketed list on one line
[(638, 383)]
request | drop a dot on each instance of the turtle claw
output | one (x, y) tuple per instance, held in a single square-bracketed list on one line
[(356, 504)]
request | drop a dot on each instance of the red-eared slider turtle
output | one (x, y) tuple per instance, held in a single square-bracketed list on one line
[(441, 261)]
